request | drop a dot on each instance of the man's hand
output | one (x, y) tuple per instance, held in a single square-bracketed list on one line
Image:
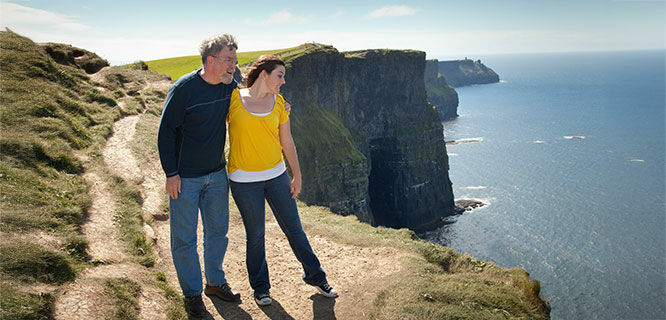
[(287, 106), (173, 186)]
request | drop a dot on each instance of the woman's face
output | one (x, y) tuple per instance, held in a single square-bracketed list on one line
[(275, 79)]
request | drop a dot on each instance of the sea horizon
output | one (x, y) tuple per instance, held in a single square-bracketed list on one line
[(483, 56)]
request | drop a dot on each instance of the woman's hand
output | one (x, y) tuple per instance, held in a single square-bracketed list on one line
[(295, 186)]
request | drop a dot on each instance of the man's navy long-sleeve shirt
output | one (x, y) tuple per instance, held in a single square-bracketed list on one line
[(192, 130)]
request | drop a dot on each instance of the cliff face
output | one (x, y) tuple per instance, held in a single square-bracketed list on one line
[(440, 94), (459, 73), (369, 142)]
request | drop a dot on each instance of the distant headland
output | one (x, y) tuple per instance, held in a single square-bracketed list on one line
[(460, 73)]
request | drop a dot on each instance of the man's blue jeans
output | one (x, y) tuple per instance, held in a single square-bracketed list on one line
[(249, 198), (210, 194)]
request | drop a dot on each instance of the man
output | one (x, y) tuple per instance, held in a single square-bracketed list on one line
[(191, 140)]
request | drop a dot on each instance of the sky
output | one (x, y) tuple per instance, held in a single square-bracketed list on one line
[(124, 31)]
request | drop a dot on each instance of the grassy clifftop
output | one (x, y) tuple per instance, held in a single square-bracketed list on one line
[(179, 66), (54, 122)]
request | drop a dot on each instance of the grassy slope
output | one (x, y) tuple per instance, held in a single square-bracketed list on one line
[(177, 67), (49, 111)]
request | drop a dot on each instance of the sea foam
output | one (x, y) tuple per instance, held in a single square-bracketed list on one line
[(475, 187), (465, 140)]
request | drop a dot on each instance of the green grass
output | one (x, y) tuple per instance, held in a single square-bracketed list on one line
[(130, 221), (179, 66), (18, 305), (41, 198), (144, 141), (125, 293), (30, 262), (176, 309), (175, 67)]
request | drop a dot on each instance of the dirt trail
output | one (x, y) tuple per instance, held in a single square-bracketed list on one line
[(85, 298), (99, 226), (357, 273), (117, 154)]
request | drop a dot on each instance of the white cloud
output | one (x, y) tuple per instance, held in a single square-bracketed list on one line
[(14, 15), (282, 17), (391, 11)]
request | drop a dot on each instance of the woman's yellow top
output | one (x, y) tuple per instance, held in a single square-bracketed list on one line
[(254, 140)]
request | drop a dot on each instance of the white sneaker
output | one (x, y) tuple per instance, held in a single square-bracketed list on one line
[(327, 291), (263, 300)]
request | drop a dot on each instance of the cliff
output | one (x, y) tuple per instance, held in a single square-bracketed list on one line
[(440, 94), (459, 73), (369, 142)]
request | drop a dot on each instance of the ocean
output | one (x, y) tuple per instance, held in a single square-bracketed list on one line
[(568, 153)]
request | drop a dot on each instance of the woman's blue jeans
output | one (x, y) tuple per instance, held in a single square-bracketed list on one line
[(249, 198), (210, 194)]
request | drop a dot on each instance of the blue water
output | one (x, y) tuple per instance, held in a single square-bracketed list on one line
[(584, 216)]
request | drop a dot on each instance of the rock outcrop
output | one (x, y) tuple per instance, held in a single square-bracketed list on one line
[(459, 73), (440, 94), (369, 142), (68, 55)]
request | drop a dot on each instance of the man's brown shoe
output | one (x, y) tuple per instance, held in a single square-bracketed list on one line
[(223, 292)]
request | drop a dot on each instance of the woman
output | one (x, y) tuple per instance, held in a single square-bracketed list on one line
[(259, 133)]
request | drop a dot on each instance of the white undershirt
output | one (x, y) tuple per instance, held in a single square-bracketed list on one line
[(241, 175)]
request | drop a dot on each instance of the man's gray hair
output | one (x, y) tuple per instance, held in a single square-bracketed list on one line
[(213, 45)]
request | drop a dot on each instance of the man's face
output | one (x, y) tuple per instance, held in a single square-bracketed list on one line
[(224, 65)]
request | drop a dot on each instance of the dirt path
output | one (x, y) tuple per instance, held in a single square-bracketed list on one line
[(117, 155), (357, 273), (99, 226)]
